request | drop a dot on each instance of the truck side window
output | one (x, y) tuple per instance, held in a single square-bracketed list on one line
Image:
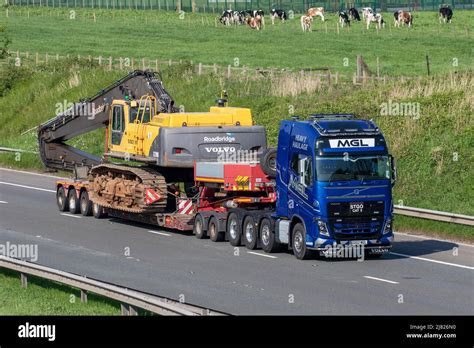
[(302, 165)]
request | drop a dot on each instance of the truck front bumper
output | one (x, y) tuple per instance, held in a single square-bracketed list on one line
[(381, 245)]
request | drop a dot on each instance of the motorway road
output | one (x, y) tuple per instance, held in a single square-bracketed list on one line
[(421, 276)]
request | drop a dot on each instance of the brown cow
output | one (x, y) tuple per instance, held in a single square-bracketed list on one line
[(403, 17), (255, 22), (316, 11)]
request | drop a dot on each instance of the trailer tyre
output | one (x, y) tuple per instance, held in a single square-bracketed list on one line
[(267, 237), (298, 239), (98, 211), (86, 204), (198, 228), (268, 162), (250, 232), (234, 229), (213, 231), (61, 199), (74, 206)]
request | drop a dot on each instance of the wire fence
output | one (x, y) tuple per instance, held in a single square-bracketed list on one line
[(319, 77), (215, 6)]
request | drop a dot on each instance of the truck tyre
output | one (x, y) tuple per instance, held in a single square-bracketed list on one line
[(74, 206), (298, 242), (234, 229), (249, 232), (86, 204), (268, 162), (213, 231), (98, 211), (61, 199), (267, 237), (198, 228)]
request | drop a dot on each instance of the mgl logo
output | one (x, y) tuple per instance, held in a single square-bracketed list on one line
[(347, 143)]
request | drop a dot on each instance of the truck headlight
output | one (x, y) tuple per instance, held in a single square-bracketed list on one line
[(323, 228), (388, 226)]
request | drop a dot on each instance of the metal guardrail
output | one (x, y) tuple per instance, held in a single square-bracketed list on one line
[(129, 298), (8, 149), (434, 215)]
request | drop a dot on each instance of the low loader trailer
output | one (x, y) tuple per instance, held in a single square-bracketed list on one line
[(327, 184)]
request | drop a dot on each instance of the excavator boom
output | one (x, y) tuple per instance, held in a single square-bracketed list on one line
[(92, 113)]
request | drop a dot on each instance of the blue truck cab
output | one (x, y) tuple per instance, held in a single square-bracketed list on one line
[(334, 178)]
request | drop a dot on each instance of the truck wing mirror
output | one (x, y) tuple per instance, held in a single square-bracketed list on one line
[(393, 171)]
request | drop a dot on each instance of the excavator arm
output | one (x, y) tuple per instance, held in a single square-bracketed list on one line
[(92, 113)]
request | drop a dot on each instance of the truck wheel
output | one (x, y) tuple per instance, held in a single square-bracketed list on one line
[(61, 199), (298, 239), (250, 232), (98, 211), (234, 229), (86, 204), (267, 237), (212, 230), (268, 162), (198, 228), (74, 207)]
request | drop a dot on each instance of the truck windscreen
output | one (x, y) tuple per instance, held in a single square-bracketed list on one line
[(352, 168)]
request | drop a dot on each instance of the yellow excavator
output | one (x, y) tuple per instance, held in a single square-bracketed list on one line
[(142, 125)]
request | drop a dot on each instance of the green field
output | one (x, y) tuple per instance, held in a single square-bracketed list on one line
[(199, 38), (43, 297)]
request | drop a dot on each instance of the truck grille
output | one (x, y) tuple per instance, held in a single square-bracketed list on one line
[(345, 224), (360, 228)]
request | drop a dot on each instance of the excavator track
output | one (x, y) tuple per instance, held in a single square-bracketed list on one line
[(125, 188)]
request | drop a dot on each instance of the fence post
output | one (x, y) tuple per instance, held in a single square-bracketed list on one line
[(228, 71), (110, 62), (37, 58), (199, 69)]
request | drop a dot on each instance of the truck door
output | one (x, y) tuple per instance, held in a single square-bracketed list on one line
[(117, 128), (300, 191)]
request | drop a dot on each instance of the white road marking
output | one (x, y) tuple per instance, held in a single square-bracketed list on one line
[(254, 253), (70, 215), (435, 261), (28, 187), (31, 173), (382, 280), (3, 202), (430, 238), (161, 233)]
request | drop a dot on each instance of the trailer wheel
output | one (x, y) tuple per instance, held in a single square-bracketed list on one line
[(86, 204), (212, 230), (268, 162), (250, 232), (298, 239), (98, 211), (234, 229), (74, 207), (267, 237), (198, 228), (61, 199)]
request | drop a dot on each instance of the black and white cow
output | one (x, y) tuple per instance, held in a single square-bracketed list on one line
[(354, 14), (445, 14), (277, 13), (375, 18), (227, 17), (238, 17), (344, 19)]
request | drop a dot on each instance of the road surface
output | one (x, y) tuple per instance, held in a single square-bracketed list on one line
[(421, 276)]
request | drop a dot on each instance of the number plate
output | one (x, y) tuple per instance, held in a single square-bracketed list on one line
[(356, 207), (358, 242)]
